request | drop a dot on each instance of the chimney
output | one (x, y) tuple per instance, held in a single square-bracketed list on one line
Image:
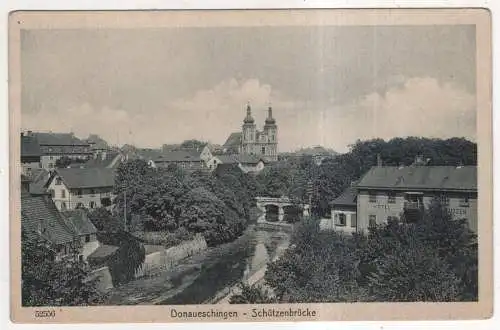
[(379, 161)]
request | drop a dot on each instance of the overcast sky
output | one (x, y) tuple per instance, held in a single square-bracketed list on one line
[(328, 85)]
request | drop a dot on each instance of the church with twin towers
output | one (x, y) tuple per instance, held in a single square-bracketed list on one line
[(251, 141)]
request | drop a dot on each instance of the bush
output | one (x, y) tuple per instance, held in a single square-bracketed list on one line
[(434, 259)]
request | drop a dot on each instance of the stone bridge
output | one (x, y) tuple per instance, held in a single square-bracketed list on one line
[(281, 203)]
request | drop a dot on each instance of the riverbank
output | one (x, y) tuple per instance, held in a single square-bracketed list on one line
[(256, 278), (198, 278)]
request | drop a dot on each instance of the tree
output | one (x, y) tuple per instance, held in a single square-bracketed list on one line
[(192, 144), (251, 294), (47, 281), (104, 220), (432, 259), (127, 259)]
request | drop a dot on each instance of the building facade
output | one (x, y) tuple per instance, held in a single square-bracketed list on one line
[(385, 193), (73, 188), (254, 142), (54, 146), (343, 212), (30, 155)]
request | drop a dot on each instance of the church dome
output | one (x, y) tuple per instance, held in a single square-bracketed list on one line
[(249, 119), (270, 120)]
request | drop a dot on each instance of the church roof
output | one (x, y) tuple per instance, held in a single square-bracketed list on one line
[(233, 140)]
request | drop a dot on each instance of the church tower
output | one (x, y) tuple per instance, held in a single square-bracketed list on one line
[(248, 133), (271, 132)]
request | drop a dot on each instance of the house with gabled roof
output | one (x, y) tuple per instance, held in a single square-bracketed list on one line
[(246, 163), (73, 188), (344, 211), (84, 230), (40, 219), (66, 233)]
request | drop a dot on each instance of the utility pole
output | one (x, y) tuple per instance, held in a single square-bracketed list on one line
[(125, 208)]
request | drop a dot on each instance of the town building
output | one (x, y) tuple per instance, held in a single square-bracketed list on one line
[(84, 230), (343, 212), (73, 188), (108, 159), (30, 155), (40, 219), (54, 146), (384, 193), (192, 159), (246, 163), (251, 141)]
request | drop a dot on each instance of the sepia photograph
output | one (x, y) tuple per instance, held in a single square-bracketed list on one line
[(287, 161)]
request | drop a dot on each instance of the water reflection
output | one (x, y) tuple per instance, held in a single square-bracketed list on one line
[(237, 262)]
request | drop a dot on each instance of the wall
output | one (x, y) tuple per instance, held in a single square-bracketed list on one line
[(29, 167), (71, 198), (383, 209), (90, 247), (168, 258), (103, 277), (333, 223)]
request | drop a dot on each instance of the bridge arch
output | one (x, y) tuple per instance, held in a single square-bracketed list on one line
[(283, 207)]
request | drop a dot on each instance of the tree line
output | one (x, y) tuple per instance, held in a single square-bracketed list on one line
[(329, 179), (434, 259), (169, 199)]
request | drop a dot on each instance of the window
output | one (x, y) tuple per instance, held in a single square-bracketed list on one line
[(391, 197), (263, 150), (51, 157), (445, 201), (392, 219), (353, 221), (79, 192), (87, 238), (372, 221), (50, 165), (372, 197), (79, 206), (58, 181), (63, 193), (63, 206), (464, 201), (342, 219), (92, 204), (80, 257), (92, 191), (52, 193)]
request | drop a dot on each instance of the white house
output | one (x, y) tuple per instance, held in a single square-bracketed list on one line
[(73, 188), (247, 163)]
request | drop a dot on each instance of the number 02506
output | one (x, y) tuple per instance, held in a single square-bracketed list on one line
[(46, 313)]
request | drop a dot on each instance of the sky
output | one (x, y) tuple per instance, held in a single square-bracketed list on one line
[(327, 85)]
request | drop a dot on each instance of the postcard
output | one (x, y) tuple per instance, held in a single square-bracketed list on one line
[(250, 165)]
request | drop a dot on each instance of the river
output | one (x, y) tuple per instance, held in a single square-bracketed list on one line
[(207, 275)]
